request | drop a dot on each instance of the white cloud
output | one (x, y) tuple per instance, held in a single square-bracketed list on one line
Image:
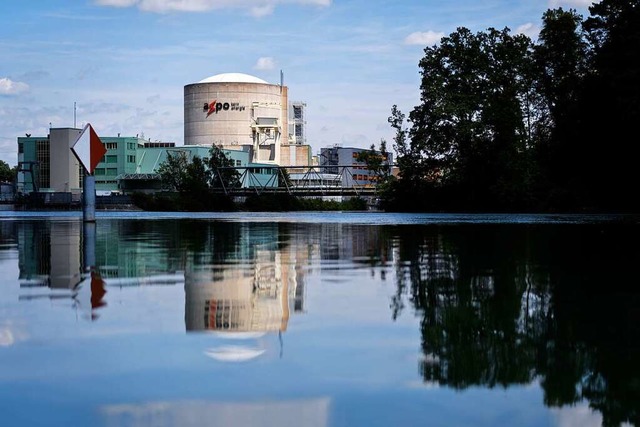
[(426, 38), (265, 63), (262, 10), (9, 87), (255, 7), (530, 30)]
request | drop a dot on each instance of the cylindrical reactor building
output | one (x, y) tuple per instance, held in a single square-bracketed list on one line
[(239, 112)]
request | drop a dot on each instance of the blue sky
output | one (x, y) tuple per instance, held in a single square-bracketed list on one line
[(125, 62)]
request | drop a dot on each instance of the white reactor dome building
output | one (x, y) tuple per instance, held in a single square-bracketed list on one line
[(238, 112)]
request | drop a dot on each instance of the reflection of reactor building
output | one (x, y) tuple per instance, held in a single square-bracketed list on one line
[(245, 298)]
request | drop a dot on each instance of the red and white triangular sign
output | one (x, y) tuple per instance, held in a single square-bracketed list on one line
[(89, 149)]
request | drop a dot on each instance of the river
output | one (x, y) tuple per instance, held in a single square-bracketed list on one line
[(319, 319)]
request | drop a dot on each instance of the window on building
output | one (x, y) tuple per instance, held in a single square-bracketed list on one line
[(111, 159), (42, 156), (20, 148), (238, 163), (297, 112), (112, 171), (111, 145), (98, 171), (131, 158), (81, 175)]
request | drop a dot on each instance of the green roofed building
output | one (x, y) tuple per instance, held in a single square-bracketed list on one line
[(47, 164), (152, 155)]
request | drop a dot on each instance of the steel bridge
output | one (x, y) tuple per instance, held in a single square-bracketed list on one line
[(306, 181)]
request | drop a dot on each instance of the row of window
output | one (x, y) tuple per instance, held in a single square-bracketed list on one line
[(131, 158), (263, 171), (105, 171), (384, 157), (114, 145), (359, 177)]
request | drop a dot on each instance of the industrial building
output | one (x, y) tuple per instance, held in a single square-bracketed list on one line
[(242, 112), (47, 165), (251, 120), (344, 161)]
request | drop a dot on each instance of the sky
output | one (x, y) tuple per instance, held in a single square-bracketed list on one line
[(124, 63)]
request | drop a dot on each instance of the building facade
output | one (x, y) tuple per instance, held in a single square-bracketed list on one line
[(237, 112), (121, 158), (297, 123), (344, 162), (47, 164)]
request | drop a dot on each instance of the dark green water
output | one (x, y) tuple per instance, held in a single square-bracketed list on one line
[(319, 320)]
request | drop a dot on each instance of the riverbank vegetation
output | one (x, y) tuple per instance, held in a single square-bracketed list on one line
[(506, 124), (195, 185)]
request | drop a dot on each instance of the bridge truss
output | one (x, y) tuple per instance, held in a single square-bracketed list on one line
[(294, 180)]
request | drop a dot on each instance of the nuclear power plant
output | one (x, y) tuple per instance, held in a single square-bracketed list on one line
[(251, 120), (241, 112)]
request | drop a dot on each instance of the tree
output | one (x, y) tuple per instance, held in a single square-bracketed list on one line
[(222, 174), (561, 59), (173, 171), (197, 177), (284, 179), (469, 132), (7, 173), (377, 161), (609, 104)]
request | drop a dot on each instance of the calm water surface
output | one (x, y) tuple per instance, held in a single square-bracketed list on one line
[(319, 320)]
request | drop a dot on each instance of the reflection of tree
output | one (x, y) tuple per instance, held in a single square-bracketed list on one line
[(504, 305)]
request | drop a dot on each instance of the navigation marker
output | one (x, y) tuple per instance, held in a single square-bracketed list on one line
[(89, 149)]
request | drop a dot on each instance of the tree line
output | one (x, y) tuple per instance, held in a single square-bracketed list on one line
[(508, 124)]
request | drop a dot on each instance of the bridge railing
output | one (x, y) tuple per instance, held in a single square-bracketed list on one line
[(294, 180)]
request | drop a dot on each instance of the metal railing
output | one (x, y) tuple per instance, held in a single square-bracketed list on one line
[(293, 180)]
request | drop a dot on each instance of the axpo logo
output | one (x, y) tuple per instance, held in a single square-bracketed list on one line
[(215, 107)]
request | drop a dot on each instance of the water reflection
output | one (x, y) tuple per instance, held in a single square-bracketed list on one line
[(505, 305), (497, 306), (237, 278)]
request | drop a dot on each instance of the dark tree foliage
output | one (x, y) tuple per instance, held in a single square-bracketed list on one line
[(539, 313), (193, 180), (610, 105), (506, 124), (284, 179), (7, 173), (173, 171), (469, 134), (560, 55), (222, 174), (377, 161)]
